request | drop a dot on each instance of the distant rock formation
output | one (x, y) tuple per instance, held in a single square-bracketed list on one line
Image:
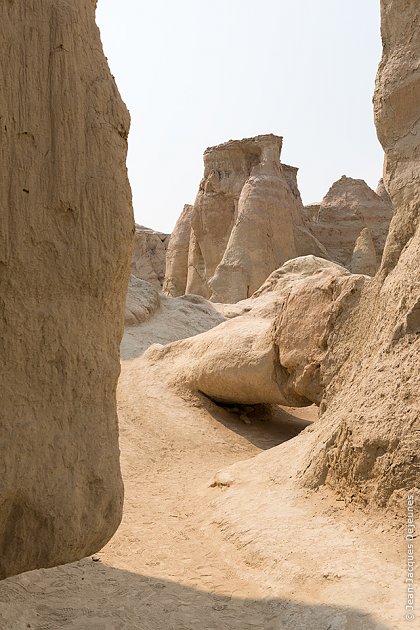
[(149, 255), (348, 207), (368, 438), (66, 230), (247, 220), (177, 255), (364, 255), (262, 237)]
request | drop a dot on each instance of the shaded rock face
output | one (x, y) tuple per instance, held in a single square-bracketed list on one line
[(66, 231), (177, 255), (369, 434), (349, 207), (149, 256), (142, 301), (275, 347)]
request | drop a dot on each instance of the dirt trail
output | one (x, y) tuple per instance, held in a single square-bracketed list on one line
[(172, 565)]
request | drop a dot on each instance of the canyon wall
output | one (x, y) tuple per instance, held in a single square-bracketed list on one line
[(66, 231), (369, 435)]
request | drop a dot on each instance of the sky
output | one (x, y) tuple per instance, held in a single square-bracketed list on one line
[(196, 73)]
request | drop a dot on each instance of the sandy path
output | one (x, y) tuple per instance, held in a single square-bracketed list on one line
[(179, 560)]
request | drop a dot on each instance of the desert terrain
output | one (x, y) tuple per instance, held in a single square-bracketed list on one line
[(217, 428)]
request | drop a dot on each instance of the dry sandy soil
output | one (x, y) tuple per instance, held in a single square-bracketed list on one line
[(192, 555)]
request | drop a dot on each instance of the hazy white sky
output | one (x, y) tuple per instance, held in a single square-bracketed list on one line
[(195, 73)]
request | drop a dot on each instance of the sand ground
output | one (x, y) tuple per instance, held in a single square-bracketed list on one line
[(191, 555)]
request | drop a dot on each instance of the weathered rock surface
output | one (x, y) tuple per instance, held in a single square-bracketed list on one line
[(348, 207), (142, 301), (247, 221), (149, 255), (177, 255), (65, 243), (262, 238), (369, 435), (382, 192), (364, 255), (274, 349)]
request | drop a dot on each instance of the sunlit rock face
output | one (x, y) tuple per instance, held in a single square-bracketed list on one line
[(369, 434), (66, 231), (177, 255)]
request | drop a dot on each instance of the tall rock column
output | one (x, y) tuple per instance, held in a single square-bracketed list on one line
[(66, 231), (369, 434), (177, 255), (262, 238)]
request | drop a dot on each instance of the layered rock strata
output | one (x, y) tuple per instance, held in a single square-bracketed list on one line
[(246, 221), (66, 230), (349, 207)]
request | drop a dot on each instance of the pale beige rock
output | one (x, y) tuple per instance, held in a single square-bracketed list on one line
[(348, 207), (149, 255), (65, 242), (369, 436), (177, 255), (273, 350), (262, 238), (247, 220), (364, 255), (141, 302)]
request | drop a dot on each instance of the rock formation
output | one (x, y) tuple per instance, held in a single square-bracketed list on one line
[(262, 238), (177, 255), (247, 220), (382, 192), (364, 255), (149, 255), (348, 207), (275, 348), (368, 437), (65, 242), (142, 301)]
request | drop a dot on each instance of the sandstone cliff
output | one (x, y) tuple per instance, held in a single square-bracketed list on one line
[(368, 438), (65, 243), (246, 221), (149, 255)]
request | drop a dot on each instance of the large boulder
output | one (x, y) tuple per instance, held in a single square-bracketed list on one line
[(149, 256), (275, 347), (65, 244), (369, 434)]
